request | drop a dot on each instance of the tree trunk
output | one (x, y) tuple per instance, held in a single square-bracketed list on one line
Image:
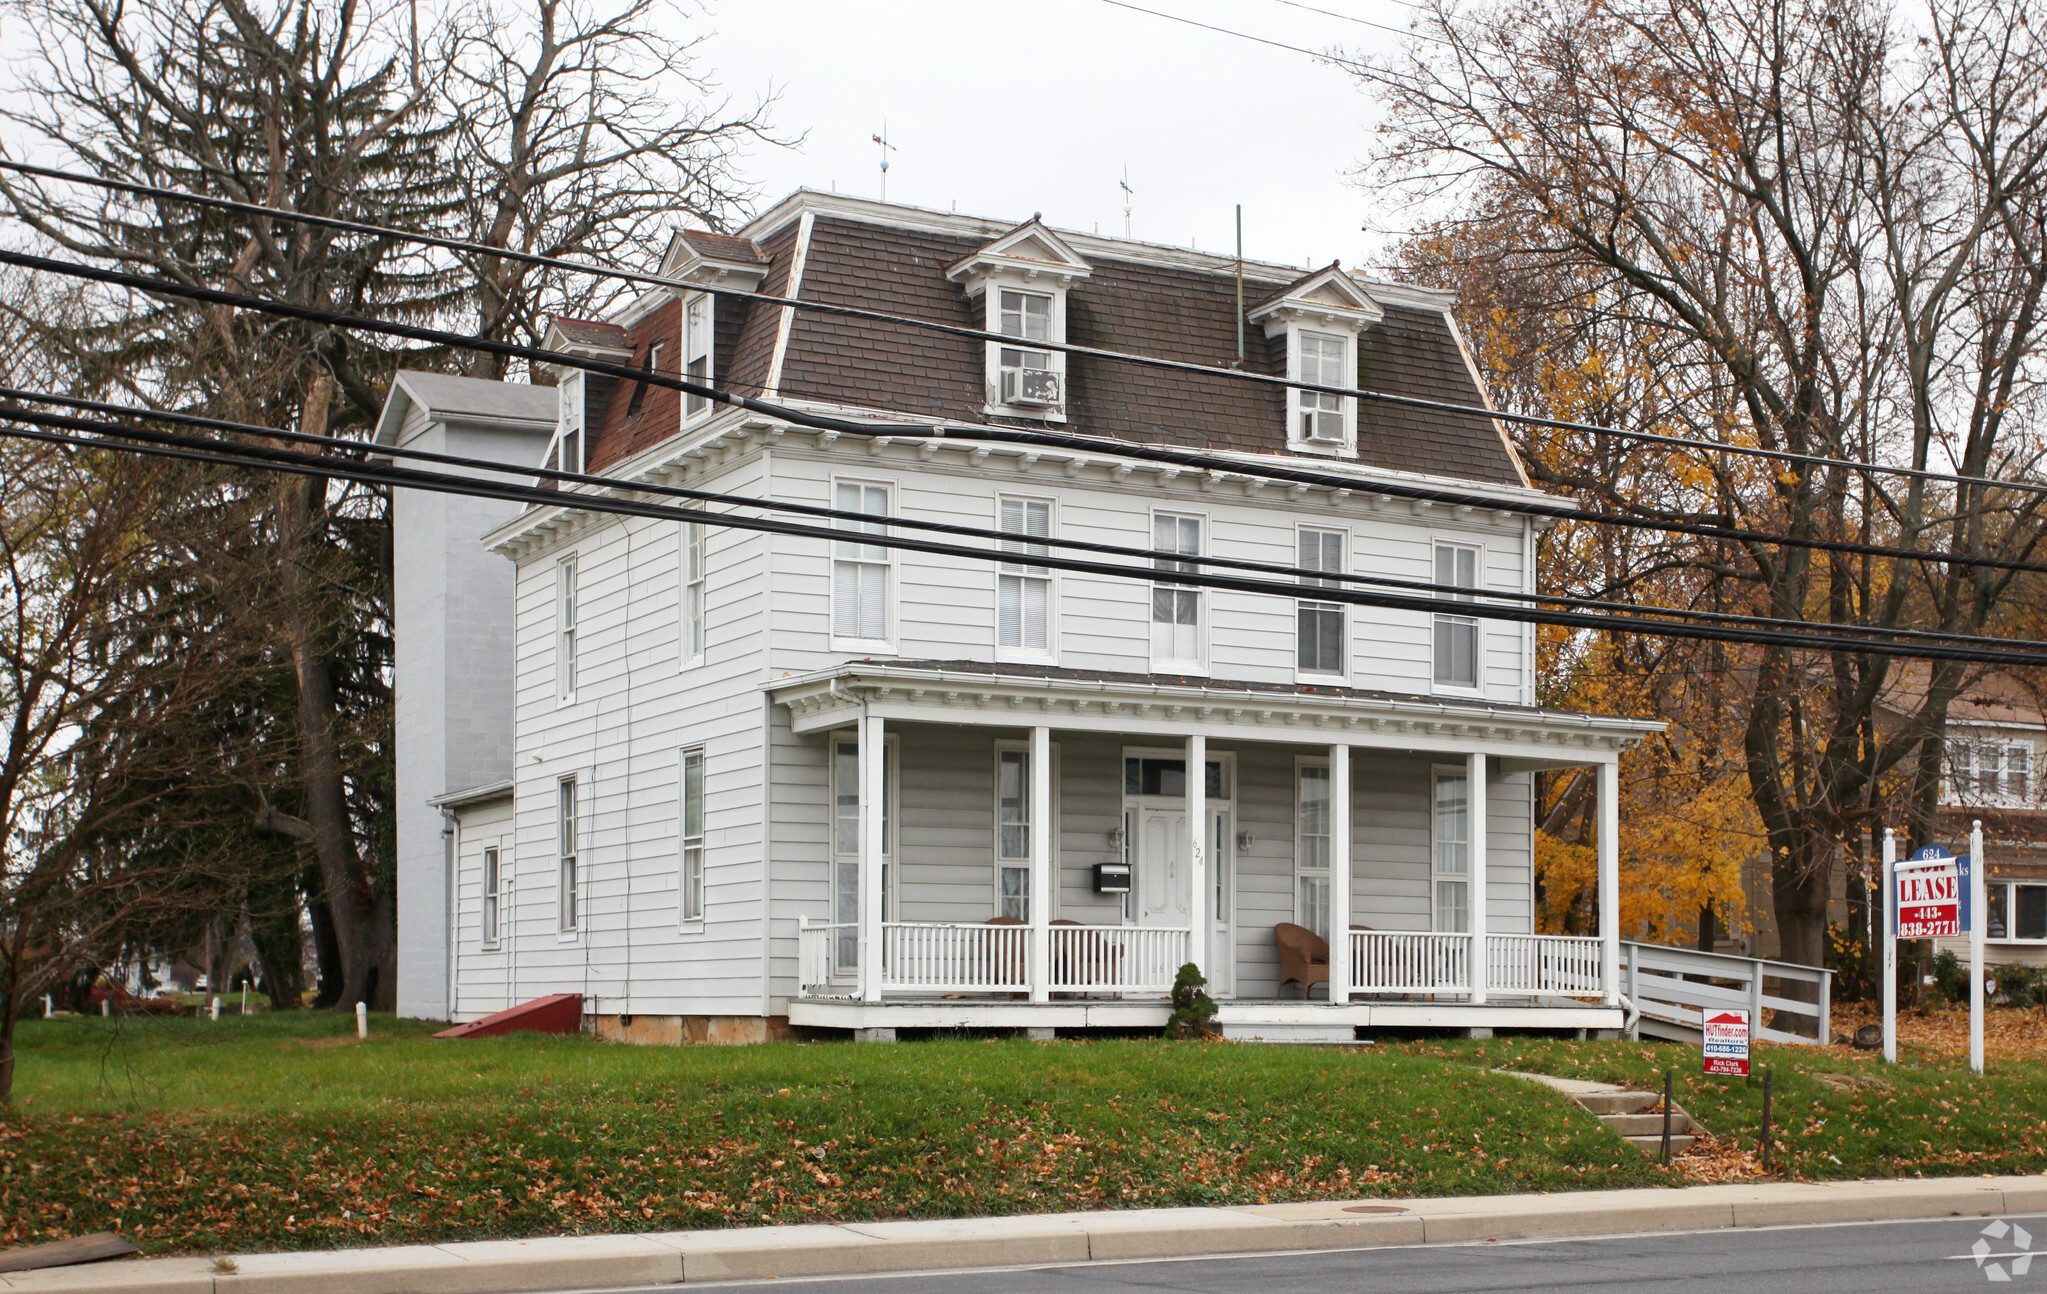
[(1709, 929), (326, 948), (364, 925)]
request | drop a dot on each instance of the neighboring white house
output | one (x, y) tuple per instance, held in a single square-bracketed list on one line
[(764, 780)]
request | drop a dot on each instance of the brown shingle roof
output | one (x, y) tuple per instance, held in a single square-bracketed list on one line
[(721, 247), (592, 332)]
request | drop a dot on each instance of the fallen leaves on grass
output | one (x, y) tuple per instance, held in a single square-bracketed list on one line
[(1718, 1159), (2009, 1033)]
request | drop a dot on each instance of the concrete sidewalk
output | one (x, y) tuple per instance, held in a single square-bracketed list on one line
[(596, 1262)]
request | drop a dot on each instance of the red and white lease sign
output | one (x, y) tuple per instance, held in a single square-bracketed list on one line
[(1726, 1036), (1929, 899)]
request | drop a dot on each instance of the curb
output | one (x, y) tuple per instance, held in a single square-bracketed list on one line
[(854, 1248)]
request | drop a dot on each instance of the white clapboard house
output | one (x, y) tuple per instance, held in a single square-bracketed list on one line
[(721, 782)]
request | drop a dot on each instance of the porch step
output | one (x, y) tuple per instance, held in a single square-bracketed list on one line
[(1290, 1032), (1643, 1125), (1679, 1142), (1617, 1101)]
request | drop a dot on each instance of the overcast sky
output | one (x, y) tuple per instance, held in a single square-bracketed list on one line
[(1007, 107)]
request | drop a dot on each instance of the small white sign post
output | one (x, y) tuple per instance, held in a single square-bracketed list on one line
[(1934, 895), (1725, 1040)]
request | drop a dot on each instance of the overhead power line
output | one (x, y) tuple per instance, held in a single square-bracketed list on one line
[(796, 417), (1306, 591), (142, 440), (981, 334)]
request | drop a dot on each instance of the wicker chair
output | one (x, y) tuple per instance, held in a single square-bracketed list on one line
[(1303, 956)]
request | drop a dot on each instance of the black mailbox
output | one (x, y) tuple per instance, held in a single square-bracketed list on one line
[(1112, 878)]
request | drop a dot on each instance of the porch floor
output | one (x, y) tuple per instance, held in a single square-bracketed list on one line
[(1247, 1020)]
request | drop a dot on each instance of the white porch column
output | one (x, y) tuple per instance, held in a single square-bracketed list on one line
[(872, 746), (1475, 811), (1040, 958), (1197, 853), (1609, 848), (1339, 873)]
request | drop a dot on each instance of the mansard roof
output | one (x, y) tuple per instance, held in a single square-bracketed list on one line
[(1121, 295), (1327, 293)]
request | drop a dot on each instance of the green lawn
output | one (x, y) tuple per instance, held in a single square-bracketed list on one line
[(281, 1131)]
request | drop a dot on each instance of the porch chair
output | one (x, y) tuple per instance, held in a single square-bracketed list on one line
[(1303, 956), (1011, 965)]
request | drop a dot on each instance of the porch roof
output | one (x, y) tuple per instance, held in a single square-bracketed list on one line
[(1176, 706)]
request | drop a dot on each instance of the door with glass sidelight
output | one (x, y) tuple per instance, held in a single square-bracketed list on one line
[(1161, 863)]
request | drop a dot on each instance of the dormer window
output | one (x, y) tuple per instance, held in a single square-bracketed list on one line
[(1323, 419), (1321, 317), (1021, 280), (566, 453), (696, 350)]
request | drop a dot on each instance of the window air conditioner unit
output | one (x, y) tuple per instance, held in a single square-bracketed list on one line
[(1322, 427), (1039, 386)]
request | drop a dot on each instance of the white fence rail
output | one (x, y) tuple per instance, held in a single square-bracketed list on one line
[(1671, 986), (1563, 964), (1134, 959), (1387, 961)]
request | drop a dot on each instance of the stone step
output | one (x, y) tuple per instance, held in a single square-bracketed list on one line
[(1616, 1102), (1654, 1145), (1636, 1125)]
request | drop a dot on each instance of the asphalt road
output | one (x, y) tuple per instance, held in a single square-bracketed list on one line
[(1866, 1258)]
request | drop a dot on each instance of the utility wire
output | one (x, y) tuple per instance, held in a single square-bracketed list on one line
[(1209, 463), (981, 334), (1312, 577), (142, 440)]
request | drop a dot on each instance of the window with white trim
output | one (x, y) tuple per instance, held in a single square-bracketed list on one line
[(1175, 609), (1322, 420), (1319, 627), (846, 844), (1311, 845), (565, 872), (691, 880), (1027, 381), (860, 571), (1456, 637), (1023, 590), (2017, 911), (565, 614), (1013, 833), (1989, 771), (565, 454), (696, 350), (1451, 861), (492, 882), (695, 583)]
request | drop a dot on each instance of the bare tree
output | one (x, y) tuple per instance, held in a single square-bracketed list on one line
[(1804, 226)]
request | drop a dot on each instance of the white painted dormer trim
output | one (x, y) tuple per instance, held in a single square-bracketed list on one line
[(687, 263), (1021, 280), (1321, 317)]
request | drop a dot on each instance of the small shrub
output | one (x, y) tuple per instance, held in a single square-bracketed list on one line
[(1854, 970), (1950, 979), (1193, 1010), (2021, 986)]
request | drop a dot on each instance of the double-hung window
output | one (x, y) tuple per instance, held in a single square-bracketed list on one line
[(846, 846), (1026, 377), (492, 889), (1311, 848), (692, 836), (2017, 911), (1023, 591), (696, 350), (566, 453), (565, 612), (860, 570), (1990, 772), (1176, 609), (1456, 637), (694, 582), (565, 817), (1319, 645), (1452, 861), (1013, 834), (1319, 417)]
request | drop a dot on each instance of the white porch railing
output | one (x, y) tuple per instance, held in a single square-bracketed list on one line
[(1389, 961), (950, 957), (1562, 964), (1134, 959), (816, 962)]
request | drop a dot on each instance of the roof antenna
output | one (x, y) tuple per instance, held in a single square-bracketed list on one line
[(886, 149), (1128, 194), (1240, 285)]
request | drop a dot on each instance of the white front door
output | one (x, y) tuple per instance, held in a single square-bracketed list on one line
[(1164, 897), (1222, 954)]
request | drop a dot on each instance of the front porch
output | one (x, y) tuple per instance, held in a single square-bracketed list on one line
[(1411, 835)]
